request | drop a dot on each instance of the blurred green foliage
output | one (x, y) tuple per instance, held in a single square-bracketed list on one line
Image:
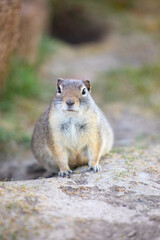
[(11, 141), (23, 93), (132, 85), (23, 79)]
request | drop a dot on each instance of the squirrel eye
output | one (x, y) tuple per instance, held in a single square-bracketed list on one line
[(84, 91), (59, 90)]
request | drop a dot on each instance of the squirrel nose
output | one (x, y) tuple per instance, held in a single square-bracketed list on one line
[(70, 102)]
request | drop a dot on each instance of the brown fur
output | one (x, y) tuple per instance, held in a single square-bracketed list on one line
[(69, 136)]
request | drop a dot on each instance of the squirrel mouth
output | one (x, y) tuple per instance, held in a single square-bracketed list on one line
[(70, 110)]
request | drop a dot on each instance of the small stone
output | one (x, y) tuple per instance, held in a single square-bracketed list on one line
[(132, 233)]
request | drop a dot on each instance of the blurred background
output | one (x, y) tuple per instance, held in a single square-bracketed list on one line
[(114, 43)]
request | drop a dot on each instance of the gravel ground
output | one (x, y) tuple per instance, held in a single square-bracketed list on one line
[(120, 202)]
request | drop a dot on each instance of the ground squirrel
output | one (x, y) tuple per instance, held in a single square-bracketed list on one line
[(73, 131)]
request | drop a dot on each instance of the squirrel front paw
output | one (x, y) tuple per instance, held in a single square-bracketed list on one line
[(95, 168), (65, 173)]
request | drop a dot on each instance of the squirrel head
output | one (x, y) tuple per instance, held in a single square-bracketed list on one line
[(72, 95)]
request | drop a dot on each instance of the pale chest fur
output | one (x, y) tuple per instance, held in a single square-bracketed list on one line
[(74, 132)]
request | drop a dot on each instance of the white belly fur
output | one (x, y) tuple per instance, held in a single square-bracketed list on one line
[(74, 134), (73, 137)]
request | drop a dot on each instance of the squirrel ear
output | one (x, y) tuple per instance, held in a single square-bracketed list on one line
[(88, 84), (59, 81)]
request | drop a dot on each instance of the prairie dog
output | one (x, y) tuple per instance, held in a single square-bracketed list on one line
[(72, 131)]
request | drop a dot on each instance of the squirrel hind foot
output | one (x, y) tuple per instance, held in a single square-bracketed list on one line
[(65, 173), (95, 168)]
